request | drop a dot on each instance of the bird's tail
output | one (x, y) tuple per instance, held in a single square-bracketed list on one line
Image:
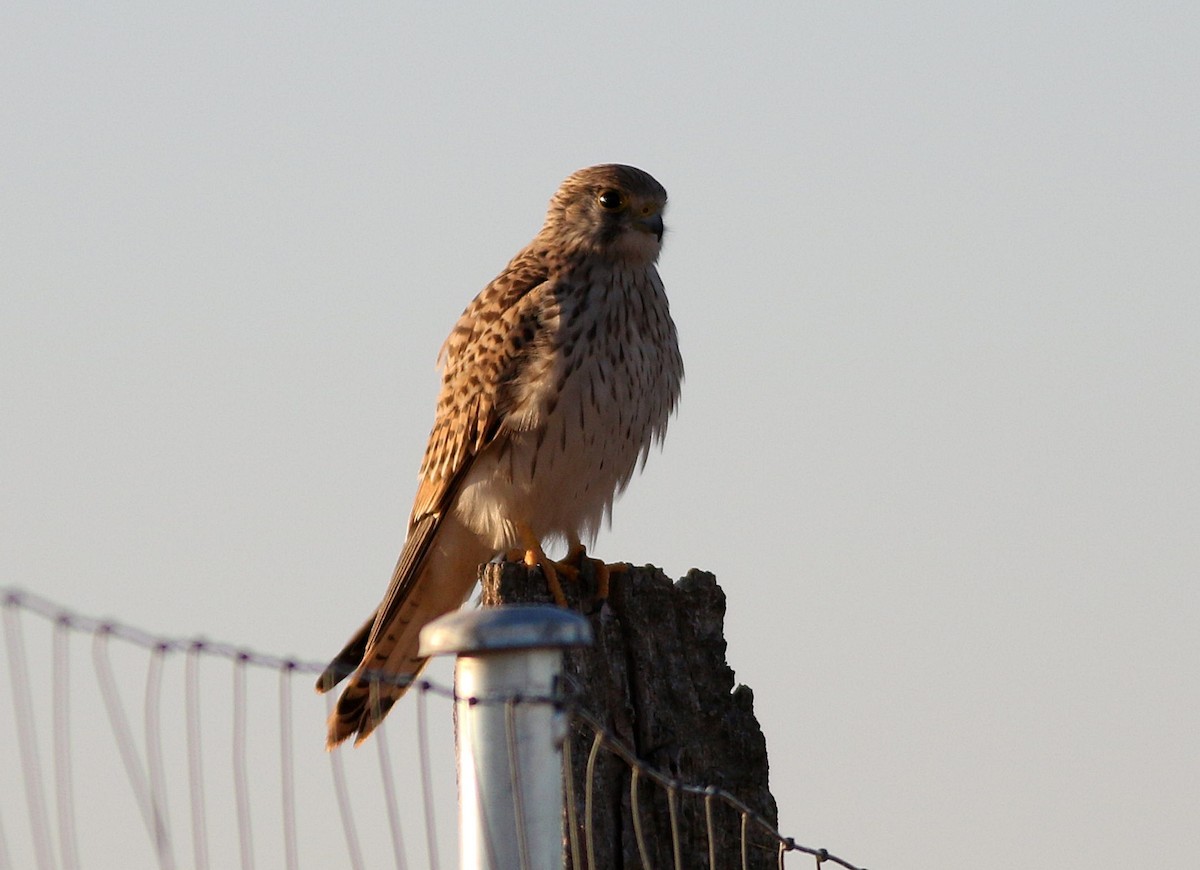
[(365, 701), (380, 671), (434, 575)]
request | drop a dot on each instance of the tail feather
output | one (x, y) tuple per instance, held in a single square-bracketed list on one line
[(383, 673), (360, 709), (346, 662), (382, 659)]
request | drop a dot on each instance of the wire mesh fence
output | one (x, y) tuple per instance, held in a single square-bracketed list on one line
[(126, 749)]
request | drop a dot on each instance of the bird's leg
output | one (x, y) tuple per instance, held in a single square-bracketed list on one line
[(577, 555), (604, 572), (531, 553), (534, 556)]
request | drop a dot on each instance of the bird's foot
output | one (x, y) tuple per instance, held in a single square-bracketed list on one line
[(571, 566), (532, 554), (601, 570), (535, 557), (604, 572)]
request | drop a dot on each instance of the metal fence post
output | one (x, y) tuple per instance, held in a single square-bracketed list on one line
[(509, 731)]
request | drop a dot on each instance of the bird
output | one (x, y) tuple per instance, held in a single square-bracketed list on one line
[(556, 382)]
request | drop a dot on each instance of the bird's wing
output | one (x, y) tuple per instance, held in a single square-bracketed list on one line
[(479, 359)]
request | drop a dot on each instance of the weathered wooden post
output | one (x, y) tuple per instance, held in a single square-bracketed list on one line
[(656, 677)]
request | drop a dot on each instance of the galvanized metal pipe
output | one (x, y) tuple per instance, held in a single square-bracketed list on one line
[(509, 731)]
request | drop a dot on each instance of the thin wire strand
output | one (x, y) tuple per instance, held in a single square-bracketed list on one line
[(5, 860), (572, 813), (154, 759), (426, 777), (120, 727), (588, 823), (635, 810), (514, 773), (68, 845), (27, 734), (464, 713), (673, 811), (745, 851), (342, 795), (241, 786), (287, 771), (389, 796), (191, 709)]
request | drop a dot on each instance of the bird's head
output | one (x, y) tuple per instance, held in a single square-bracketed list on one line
[(610, 210)]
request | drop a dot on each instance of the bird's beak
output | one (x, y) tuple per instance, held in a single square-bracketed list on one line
[(651, 224)]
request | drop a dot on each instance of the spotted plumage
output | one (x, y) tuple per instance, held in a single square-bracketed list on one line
[(556, 381)]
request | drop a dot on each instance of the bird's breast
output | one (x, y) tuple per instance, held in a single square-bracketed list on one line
[(594, 395)]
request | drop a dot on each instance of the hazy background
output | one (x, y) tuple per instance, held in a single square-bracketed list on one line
[(935, 272)]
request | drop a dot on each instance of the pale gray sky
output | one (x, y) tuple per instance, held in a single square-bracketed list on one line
[(935, 271)]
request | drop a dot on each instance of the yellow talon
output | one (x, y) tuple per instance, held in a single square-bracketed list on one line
[(532, 554), (535, 556), (604, 572), (577, 555)]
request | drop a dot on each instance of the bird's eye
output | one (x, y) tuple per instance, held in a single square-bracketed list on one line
[(611, 200)]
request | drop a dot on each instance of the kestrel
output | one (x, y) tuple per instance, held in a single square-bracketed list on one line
[(556, 381)]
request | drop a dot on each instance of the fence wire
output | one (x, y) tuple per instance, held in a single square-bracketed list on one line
[(230, 803)]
